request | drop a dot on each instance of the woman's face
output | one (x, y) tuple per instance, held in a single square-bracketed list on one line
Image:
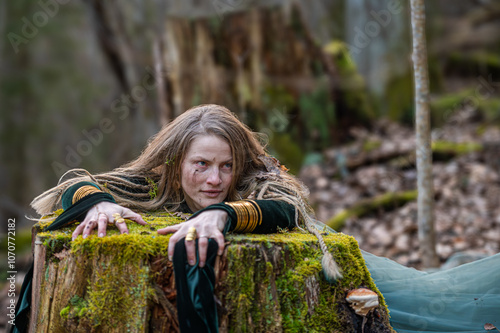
[(206, 172)]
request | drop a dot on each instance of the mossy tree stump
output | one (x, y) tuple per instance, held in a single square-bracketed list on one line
[(125, 283)]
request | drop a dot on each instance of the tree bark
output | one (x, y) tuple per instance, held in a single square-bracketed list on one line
[(426, 232), (265, 283)]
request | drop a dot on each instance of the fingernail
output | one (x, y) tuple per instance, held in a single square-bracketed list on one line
[(85, 236), (101, 234), (170, 258), (202, 264), (191, 262), (73, 238)]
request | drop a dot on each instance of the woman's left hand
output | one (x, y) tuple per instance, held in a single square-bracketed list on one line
[(208, 224)]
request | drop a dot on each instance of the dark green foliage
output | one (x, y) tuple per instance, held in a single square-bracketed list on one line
[(318, 112)]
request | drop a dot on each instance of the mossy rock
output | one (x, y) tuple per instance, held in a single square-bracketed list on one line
[(265, 283)]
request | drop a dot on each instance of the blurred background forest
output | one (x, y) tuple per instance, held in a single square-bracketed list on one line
[(85, 83)]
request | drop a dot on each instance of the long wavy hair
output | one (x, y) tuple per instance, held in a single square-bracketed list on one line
[(255, 174), (152, 181)]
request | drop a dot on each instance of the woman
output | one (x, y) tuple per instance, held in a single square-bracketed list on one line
[(205, 162), (208, 163)]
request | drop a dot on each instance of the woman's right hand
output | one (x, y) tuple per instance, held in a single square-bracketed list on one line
[(100, 215)]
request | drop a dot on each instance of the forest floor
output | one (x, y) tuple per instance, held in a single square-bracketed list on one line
[(367, 189)]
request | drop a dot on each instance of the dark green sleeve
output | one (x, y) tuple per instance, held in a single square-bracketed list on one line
[(67, 197), (196, 307), (271, 215), (76, 211), (72, 212)]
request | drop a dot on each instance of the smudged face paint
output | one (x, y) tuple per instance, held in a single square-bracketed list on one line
[(206, 172)]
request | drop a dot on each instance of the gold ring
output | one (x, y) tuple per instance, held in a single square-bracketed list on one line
[(191, 234), (118, 218)]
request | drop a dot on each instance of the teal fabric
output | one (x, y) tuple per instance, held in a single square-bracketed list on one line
[(458, 300)]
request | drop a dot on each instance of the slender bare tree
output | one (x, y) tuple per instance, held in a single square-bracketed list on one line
[(426, 233)]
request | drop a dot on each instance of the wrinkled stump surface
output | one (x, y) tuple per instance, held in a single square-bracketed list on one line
[(125, 283)]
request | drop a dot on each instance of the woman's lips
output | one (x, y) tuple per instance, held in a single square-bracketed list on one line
[(212, 194)]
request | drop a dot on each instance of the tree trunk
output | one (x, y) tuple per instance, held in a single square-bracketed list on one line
[(426, 233), (259, 59), (265, 283)]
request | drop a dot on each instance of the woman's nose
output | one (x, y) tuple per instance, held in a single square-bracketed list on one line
[(214, 177)]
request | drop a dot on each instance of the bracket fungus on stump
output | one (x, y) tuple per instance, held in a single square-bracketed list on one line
[(362, 300)]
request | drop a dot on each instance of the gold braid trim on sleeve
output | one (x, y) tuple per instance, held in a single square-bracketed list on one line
[(248, 214), (83, 192)]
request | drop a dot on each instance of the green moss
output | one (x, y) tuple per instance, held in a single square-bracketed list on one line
[(489, 108), (47, 220), (441, 151), (339, 50), (398, 99), (302, 261), (123, 288), (307, 268), (120, 286), (77, 308), (154, 186), (82, 312), (370, 145), (472, 63), (56, 244), (65, 312), (455, 148), (388, 201), (269, 295), (445, 107)]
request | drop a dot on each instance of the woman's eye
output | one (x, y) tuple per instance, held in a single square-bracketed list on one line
[(228, 165), (201, 163)]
